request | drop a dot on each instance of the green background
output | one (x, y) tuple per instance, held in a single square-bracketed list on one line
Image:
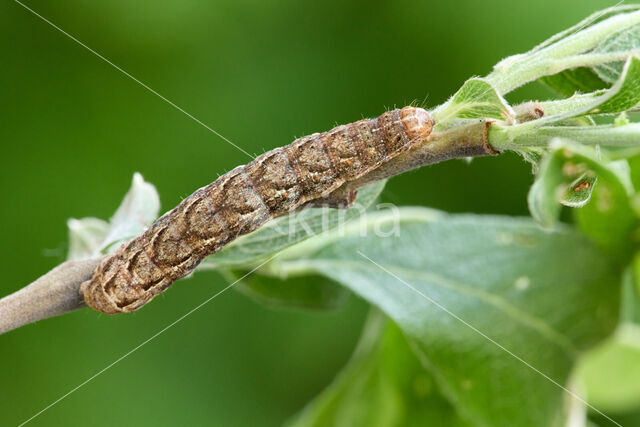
[(73, 130)]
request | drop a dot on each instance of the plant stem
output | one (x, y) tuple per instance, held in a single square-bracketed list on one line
[(466, 140), (57, 292), (605, 135)]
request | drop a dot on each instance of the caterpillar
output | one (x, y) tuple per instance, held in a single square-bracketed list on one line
[(309, 171)]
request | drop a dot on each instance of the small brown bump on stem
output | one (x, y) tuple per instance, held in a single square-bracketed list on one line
[(528, 111)]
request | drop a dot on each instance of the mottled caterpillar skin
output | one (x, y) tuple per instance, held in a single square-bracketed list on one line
[(276, 183)]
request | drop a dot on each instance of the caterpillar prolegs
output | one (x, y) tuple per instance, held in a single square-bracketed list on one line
[(276, 183)]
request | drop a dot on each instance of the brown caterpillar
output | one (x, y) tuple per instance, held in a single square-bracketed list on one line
[(276, 183)]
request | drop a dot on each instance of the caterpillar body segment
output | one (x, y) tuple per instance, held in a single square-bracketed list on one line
[(304, 173)]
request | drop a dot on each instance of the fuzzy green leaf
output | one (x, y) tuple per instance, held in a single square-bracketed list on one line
[(570, 49), (476, 99), (625, 40), (545, 193), (138, 210), (86, 237), (90, 237), (624, 94), (566, 177), (589, 21), (610, 218), (487, 272), (577, 80)]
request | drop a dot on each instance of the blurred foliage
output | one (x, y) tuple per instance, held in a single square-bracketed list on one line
[(75, 129), (383, 385)]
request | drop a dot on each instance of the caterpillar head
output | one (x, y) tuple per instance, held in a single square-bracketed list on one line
[(417, 123)]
